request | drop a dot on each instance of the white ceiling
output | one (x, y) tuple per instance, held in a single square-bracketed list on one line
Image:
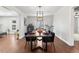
[(31, 10), (7, 12)]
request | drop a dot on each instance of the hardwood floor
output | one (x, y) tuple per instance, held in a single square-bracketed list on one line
[(9, 44)]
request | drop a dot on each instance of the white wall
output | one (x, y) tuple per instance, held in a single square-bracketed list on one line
[(6, 22), (12, 13), (21, 16), (22, 28), (48, 20), (63, 26), (6, 18)]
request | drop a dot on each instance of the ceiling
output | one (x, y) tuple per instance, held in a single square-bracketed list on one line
[(32, 10), (7, 12)]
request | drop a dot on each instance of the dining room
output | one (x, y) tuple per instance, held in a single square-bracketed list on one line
[(38, 29)]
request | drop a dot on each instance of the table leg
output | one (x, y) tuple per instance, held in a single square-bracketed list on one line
[(31, 45), (46, 47)]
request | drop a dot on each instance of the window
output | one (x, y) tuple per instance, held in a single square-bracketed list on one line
[(40, 24)]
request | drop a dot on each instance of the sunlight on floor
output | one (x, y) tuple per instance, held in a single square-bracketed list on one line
[(14, 41)]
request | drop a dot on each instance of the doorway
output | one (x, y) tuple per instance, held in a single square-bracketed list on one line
[(76, 23)]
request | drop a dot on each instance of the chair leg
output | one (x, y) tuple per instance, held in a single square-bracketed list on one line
[(25, 44), (46, 47), (54, 47), (43, 45), (35, 43), (51, 46)]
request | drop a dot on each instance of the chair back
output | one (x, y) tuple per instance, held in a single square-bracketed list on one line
[(49, 39), (30, 38), (33, 38), (27, 38), (53, 36)]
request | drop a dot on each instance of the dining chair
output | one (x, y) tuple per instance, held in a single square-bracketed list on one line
[(53, 36), (48, 40), (27, 41), (30, 41), (33, 42)]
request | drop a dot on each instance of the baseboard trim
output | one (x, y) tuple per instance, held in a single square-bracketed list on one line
[(21, 37), (65, 41)]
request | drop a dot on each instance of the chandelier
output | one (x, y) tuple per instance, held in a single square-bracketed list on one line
[(40, 13)]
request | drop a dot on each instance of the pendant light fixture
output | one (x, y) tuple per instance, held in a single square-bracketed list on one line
[(40, 13)]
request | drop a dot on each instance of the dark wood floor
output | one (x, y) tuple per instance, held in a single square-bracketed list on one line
[(9, 44)]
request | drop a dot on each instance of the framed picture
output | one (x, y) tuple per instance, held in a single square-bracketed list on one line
[(13, 27), (14, 21)]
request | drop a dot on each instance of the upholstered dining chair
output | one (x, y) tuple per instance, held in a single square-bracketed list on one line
[(27, 41), (34, 42), (30, 41), (48, 40)]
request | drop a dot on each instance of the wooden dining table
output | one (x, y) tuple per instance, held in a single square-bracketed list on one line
[(34, 34)]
